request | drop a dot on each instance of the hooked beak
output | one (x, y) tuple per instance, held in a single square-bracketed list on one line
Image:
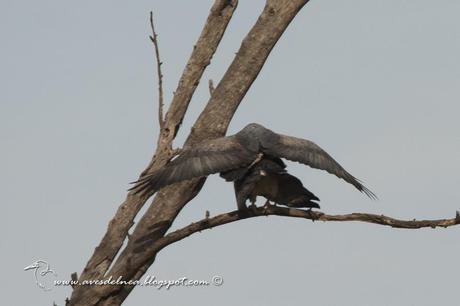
[(32, 266)]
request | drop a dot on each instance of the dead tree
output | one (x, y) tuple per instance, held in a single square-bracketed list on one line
[(212, 123)]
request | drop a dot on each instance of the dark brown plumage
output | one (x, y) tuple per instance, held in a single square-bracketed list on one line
[(269, 178), (284, 189)]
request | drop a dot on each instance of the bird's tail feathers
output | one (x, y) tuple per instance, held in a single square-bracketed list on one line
[(304, 202)]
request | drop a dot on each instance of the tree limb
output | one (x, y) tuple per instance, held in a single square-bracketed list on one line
[(272, 210), (212, 122), (104, 254), (157, 245)]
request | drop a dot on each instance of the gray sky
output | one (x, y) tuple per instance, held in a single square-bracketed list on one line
[(375, 83)]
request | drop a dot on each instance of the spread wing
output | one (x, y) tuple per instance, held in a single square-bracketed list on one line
[(217, 155), (308, 153)]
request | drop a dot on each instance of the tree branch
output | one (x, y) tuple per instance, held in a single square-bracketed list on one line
[(110, 245), (212, 122), (154, 39), (272, 210)]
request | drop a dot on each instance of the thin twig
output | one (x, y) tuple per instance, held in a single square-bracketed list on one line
[(154, 39), (211, 86), (74, 278), (268, 210)]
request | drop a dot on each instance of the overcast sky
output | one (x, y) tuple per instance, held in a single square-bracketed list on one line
[(375, 83)]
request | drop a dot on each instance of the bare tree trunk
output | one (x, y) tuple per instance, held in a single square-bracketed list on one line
[(213, 122)]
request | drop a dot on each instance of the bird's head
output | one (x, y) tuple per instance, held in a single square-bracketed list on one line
[(253, 128), (253, 135), (36, 265)]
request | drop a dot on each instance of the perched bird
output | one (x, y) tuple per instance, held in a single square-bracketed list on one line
[(269, 178), (233, 156)]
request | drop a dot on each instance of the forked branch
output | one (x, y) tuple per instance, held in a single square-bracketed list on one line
[(112, 242)]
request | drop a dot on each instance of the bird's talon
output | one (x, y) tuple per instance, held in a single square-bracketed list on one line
[(253, 207), (313, 214)]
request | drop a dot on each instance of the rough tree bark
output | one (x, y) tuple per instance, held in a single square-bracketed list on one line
[(213, 122)]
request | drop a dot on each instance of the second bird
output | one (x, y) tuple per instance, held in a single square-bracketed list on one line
[(268, 178)]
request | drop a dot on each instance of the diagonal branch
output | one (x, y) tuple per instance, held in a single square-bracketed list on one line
[(117, 231), (154, 39), (212, 122), (272, 210)]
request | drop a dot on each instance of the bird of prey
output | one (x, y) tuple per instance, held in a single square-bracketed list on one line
[(269, 178), (236, 155)]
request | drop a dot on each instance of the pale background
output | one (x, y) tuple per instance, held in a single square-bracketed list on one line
[(375, 83)]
